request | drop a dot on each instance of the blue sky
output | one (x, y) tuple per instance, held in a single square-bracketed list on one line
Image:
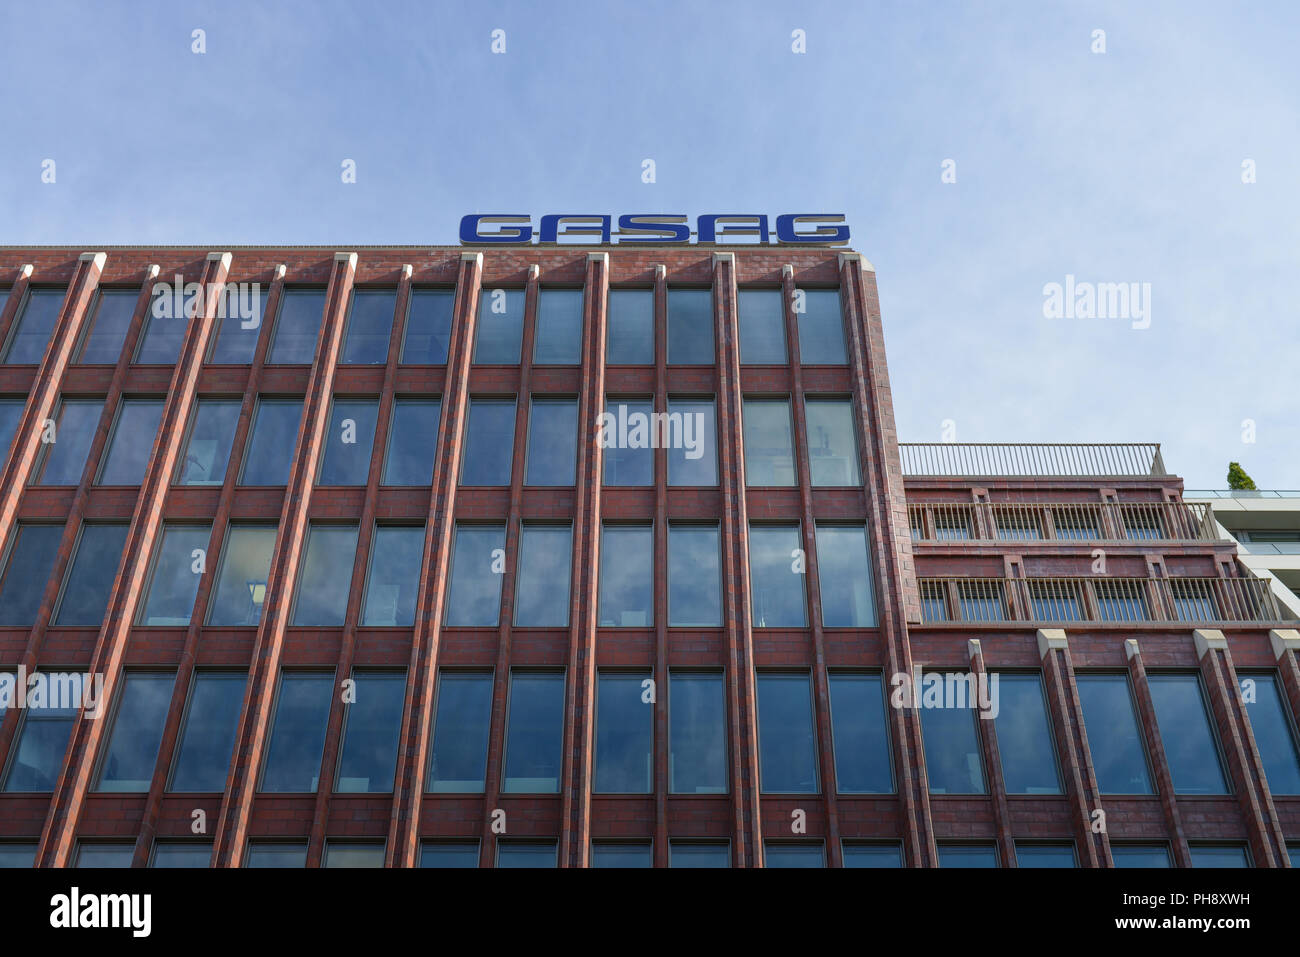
[(1117, 167)]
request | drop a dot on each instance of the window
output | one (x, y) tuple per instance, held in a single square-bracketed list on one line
[(428, 327), (552, 442), (477, 564), (787, 745), (108, 326), (981, 600), (694, 577), (131, 445), (699, 854), (1140, 855), (1120, 601), (208, 734), (1020, 525), (163, 335), (630, 329), (691, 436), (277, 855), (1054, 601), (1189, 742), (769, 443), (1274, 734), (177, 568), (832, 446), (11, 412), (860, 734), (132, 752), (354, 854), (1193, 600), (370, 326), (776, 573), (626, 576), (17, 855), (242, 577), (951, 524), (212, 434), (690, 327), (1074, 524), (534, 733), (1219, 855), (30, 560), (326, 576), (1025, 736), (393, 582), (629, 460), (762, 326), (181, 854), (298, 327), (697, 733), (412, 440), (526, 854), (42, 740), (65, 454), (1114, 737), (872, 855), (272, 442), (236, 338), (302, 711), (348, 442), (542, 587), (934, 603), (34, 326), (559, 328), (620, 855), (968, 855), (1142, 523), (368, 757), (951, 739), (1045, 855), (821, 329), (844, 577), (624, 734), (500, 326), (460, 732), (105, 854), (780, 854), (449, 854), (489, 442)]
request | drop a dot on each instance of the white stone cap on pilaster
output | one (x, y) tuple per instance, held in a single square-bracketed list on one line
[(97, 258), (1050, 639), (856, 258), (601, 258), (349, 258), (153, 271), (787, 271), (223, 258), (973, 647), (534, 271), (1208, 638), (475, 258), (407, 269), (25, 272), (1130, 648), (661, 271), (280, 270), (724, 259), (1284, 640)]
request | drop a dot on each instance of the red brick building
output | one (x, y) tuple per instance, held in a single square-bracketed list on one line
[(366, 582)]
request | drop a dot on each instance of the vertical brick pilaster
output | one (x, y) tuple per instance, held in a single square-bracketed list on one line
[(988, 736), (1160, 763), (659, 403)]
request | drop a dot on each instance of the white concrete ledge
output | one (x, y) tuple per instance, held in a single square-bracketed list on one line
[(1284, 640), (1207, 639), (1050, 639)]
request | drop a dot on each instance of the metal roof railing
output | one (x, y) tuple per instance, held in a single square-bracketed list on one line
[(1029, 460)]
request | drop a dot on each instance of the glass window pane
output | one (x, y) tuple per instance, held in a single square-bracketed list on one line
[(326, 576), (697, 733), (395, 559), (621, 855), (534, 733), (787, 746), (630, 329), (17, 855), (793, 855), (1186, 734), (428, 327), (412, 441), (1274, 737), (624, 735), (108, 327), (181, 854), (34, 326), (460, 733), (691, 854), (1025, 736), (271, 445), (302, 710), (65, 454), (176, 573), (762, 326), (241, 580), (626, 439), (11, 411), (1114, 739), (559, 327), (1139, 855), (478, 562), (43, 737), (626, 576), (276, 855), (1045, 855), (776, 577), (821, 329), (26, 573), (208, 734), (164, 334), (1219, 855), (368, 758), (860, 735), (500, 326), (132, 442), (832, 446), (296, 330), (353, 855), (128, 764), (489, 442), (844, 577), (968, 855), (552, 442), (690, 327), (872, 855), (211, 437), (516, 854), (349, 441), (948, 732), (692, 442), (448, 855), (542, 589), (769, 443), (117, 854), (694, 577), (370, 326), (240, 326)]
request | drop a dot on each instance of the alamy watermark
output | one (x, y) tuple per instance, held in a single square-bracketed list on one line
[(652, 430), (946, 689), (183, 300), (63, 690), (1099, 300)]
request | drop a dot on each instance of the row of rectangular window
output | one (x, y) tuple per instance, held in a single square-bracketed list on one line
[(426, 337)]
